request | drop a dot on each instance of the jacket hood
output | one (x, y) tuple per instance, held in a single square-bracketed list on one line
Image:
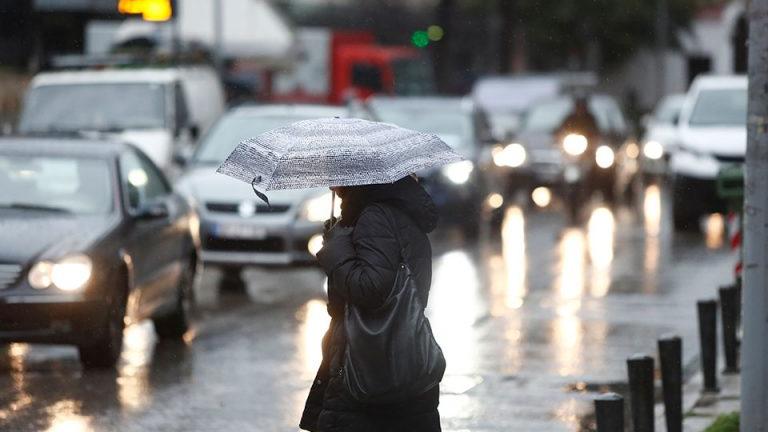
[(405, 194)]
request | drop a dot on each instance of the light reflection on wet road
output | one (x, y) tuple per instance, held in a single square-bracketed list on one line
[(529, 320)]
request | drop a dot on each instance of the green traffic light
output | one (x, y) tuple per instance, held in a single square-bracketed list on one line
[(420, 39)]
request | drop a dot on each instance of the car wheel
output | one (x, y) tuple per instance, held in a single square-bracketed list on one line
[(470, 226), (573, 202), (497, 218), (175, 324), (609, 191), (231, 280), (685, 215), (105, 351)]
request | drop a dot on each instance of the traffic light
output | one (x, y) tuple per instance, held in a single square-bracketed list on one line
[(150, 10), (420, 39)]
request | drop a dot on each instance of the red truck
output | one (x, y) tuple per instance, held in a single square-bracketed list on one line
[(332, 66)]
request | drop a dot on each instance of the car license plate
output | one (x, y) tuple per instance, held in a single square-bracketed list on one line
[(240, 231)]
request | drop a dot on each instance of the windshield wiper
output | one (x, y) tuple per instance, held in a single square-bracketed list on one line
[(103, 129), (74, 131), (38, 207), (51, 131)]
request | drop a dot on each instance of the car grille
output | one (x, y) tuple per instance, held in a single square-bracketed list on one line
[(9, 274), (729, 159), (269, 244), (219, 207)]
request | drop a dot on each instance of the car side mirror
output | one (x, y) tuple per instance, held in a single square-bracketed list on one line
[(194, 131), (154, 210), (183, 155)]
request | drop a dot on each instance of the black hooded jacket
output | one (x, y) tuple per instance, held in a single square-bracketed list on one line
[(361, 257)]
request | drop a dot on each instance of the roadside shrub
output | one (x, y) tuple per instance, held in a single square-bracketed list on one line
[(725, 423)]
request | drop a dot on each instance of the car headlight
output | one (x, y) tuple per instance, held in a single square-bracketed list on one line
[(318, 209), (68, 274), (40, 275), (512, 156), (575, 144), (459, 172), (632, 151), (604, 156), (653, 150)]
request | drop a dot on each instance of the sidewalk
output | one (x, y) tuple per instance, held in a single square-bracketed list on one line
[(701, 409)]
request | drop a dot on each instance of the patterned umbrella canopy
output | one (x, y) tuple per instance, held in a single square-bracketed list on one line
[(334, 152)]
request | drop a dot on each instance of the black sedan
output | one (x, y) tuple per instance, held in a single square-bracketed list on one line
[(93, 238), (458, 189)]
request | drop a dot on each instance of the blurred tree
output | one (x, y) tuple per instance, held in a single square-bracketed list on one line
[(443, 57), (559, 33), (492, 36)]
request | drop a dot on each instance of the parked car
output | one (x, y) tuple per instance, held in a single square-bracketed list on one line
[(544, 156), (93, 237), (458, 189), (161, 111), (712, 135), (237, 229), (660, 135)]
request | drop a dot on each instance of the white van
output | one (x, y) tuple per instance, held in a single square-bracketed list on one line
[(712, 135), (161, 111)]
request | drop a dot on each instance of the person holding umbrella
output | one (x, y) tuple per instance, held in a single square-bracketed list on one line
[(381, 366)]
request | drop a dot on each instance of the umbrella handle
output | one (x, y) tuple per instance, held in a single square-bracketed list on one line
[(333, 202), (332, 221)]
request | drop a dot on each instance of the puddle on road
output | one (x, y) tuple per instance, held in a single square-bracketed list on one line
[(314, 320), (532, 289)]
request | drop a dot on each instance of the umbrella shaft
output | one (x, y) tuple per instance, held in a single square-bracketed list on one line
[(333, 204)]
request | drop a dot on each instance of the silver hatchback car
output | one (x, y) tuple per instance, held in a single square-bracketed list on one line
[(236, 228)]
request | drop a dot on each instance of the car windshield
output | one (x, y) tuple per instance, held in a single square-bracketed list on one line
[(548, 116), (721, 107), (453, 126), (58, 184), (100, 107), (514, 95), (504, 124), (230, 130)]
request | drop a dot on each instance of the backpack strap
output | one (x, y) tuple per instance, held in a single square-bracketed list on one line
[(393, 225)]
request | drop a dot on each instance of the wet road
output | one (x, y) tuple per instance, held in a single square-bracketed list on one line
[(531, 321)]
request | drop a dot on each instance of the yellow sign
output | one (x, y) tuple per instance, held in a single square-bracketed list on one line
[(150, 10)]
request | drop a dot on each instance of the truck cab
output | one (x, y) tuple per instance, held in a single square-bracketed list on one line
[(336, 66), (365, 70)]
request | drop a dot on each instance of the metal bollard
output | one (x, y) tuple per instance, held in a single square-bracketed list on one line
[(729, 313), (609, 412), (640, 369), (670, 357), (708, 339)]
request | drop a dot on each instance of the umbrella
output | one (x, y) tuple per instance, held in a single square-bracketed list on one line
[(331, 152)]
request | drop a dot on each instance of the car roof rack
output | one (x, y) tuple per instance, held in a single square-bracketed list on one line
[(125, 61)]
